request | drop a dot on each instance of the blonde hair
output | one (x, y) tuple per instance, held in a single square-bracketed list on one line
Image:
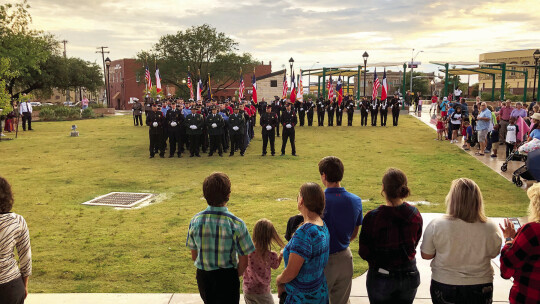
[(534, 206), (264, 235), (464, 201)]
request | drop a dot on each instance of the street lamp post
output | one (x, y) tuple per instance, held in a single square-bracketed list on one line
[(412, 66), (365, 56), (309, 77), (536, 56), (107, 89)]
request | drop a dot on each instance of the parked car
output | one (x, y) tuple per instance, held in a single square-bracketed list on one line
[(68, 103), (35, 103), (47, 104)]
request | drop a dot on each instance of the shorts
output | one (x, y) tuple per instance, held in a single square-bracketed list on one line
[(443, 113), (454, 127), (482, 135)]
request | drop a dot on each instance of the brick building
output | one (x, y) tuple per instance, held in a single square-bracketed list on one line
[(232, 88)]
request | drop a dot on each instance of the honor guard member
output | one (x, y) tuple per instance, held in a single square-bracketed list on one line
[(299, 107), (339, 111), (309, 111), (331, 111), (154, 120), (194, 124), (253, 118), (396, 107), (269, 121), (224, 112), (147, 105), (203, 110), (262, 107), (349, 107), (276, 108), (137, 113), (237, 126), (288, 121), (384, 112), (215, 125), (175, 123), (374, 109), (321, 109), (364, 110)]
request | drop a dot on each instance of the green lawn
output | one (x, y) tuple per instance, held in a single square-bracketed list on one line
[(99, 249)]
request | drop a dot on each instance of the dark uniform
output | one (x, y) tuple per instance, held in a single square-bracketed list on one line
[(237, 136), (288, 118), (194, 124), (364, 110), (374, 109), (154, 120), (225, 138), (339, 113), (395, 111), (137, 113), (269, 122), (204, 135), (175, 124), (301, 110), (309, 110), (331, 110), (384, 112), (350, 111), (276, 108), (215, 125), (321, 109)]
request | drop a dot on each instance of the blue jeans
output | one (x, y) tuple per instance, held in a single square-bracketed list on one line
[(462, 294), (396, 287)]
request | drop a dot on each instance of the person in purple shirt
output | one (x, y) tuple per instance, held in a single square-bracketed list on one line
[(343, 217), (519, 111)]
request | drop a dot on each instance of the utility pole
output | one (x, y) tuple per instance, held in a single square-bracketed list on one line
[(103, 52), (68, 95)]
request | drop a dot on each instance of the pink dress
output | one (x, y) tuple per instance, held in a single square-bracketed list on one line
[(258, 274)]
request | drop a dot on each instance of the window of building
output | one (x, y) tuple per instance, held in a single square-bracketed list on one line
[(138, 77), (513, 73), (273, 83)]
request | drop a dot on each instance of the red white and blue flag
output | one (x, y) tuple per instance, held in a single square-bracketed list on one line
[(199, 90), (285, 87), (254, 83), (158, 81), (190, 85), (300, 94), (293, 89), (241, 88), (376, 85), (339, 90), (330, 89), (148, 79), (384, 93)]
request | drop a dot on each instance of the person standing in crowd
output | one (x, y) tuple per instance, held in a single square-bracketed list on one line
[(224, 113), (288, 121), (349, 106), (321, 110), (309, 111), (25, 110), (343, 217), (237, 127), (374, 109), (384, 112), (253, 111), (137, 112), (521, 251), (215, 125), (261, 106), (416, 101), (457, 94), (194, 123), (512, 131), (85, 101), (504, 114), (482, 126), (396, 108), (147, 105), (306, 255), (444, 105), (464, 108), (220, 244), (519, 111), (434, 104), (388, 241), (331, 110), (461, 245), (339, 111), (269, 122), (455, 124), (175, 123), (300, 108), (13, 235), (155, 121)]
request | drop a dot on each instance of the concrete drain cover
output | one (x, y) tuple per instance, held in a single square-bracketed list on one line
[(119, 199)]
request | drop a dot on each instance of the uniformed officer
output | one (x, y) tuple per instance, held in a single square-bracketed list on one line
[(237, 127), (147, 105), (321, 109), (350, 111), (364, 110), (277, 108), (374, 109), (339, 111), (269, 121), (154, 120), (396, 107), (331, 110), (194, 124), (215, 125), (299, 107), (288, 121), (262, 107), (175, 124), (224, 112), (384, 112), (137, 113), (309, 110)]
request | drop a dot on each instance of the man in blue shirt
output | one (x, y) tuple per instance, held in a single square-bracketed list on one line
[(343, 217), (482, 126)]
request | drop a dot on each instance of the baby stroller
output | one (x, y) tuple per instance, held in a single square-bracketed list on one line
[(529, 171), (515, 156)]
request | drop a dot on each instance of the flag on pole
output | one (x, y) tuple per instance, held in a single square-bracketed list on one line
[(254, 83), (209, 88), (330, 89), (199, 90), (376, 85), (285, 87), (300, 94), (384, 92), (148, 79), (339, 90), (190, 85), (241, 88), (158, 81), (293, 89)]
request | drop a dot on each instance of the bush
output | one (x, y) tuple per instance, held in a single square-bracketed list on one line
[(88, 113), (47, 114), (95, 105)]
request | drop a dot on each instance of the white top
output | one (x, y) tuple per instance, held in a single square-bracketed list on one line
[(463, 251), (455, 118), (457, 92), (25, 107), (511, 134), (14, 234)]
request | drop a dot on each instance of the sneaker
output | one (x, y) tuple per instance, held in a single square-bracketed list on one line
[(493, 155), (487, 151)]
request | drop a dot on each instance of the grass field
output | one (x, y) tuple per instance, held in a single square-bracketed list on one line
[(99, 249)]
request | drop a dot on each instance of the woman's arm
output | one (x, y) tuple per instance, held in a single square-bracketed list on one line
[(25, 281), (426, 256), (292, 270)]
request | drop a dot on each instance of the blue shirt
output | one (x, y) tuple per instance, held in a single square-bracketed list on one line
[(164, 111), (484, 124), (225, 117), (342, 214), (469, 131), (464, 109), (443, 105), (535, 133), (186, 112)]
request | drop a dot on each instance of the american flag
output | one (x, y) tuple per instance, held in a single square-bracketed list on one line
[(330, 89), (148, 79), (376, 85), (241, 88), (190, 85), (285, 87)]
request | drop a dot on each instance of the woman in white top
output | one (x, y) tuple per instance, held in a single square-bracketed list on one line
[(13, 234), (462, 244), (455, 123)]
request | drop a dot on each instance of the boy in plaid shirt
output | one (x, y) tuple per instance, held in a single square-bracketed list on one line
[(216, 237)]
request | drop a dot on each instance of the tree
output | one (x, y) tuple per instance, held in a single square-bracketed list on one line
[(4, 95), (419, 84), (199, 48)]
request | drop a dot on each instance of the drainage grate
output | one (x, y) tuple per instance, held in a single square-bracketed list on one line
[(119, 199)]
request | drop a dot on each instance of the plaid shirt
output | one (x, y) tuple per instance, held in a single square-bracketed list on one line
[(520, 260), (218, 236), (389, 236)]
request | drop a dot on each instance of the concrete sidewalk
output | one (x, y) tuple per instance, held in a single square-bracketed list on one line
[(358, 293)]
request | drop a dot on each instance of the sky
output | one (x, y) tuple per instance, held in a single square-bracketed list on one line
[(333, 33)]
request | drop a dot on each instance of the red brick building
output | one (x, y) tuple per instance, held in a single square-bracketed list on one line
[(232, 89)]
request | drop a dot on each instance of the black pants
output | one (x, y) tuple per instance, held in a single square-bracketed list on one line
[(363, 118), (277, 128), (302, 116), (320, 118), (175, 140), (12, 292), (395, 287), (349, 118), (288, 134), (395, 118), (194, 143), (215, 144), (156, 144), (251, 125), (204, 141), (509, 149), (373, 117), (237, 142), (220, 286), (269, 136), (225, 139), (339, 117), (331, 118), (138, 120), (462, 294), (384, 115), (310, 118), (26, 117)]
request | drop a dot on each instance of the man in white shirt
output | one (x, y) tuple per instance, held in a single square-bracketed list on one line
[(457, 94), (25, 109)]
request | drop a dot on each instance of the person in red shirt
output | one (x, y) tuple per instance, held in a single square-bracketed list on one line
[(434, 104)]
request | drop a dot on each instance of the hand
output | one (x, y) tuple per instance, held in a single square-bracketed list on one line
[(280, 289), (214, 125), (173, 124), (288, 126), (155, 124), (508, 230), (268, 128), (236, 128)]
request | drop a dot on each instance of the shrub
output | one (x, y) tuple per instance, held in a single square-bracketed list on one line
[(88, 113), (47, 113)]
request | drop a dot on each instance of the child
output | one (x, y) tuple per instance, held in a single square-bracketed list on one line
[(440, 128), (511, 135), (257, 276), (219, 243), (468, 135), (494, 134)]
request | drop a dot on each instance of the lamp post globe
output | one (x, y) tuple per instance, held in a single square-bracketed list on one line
[(365, 56)]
